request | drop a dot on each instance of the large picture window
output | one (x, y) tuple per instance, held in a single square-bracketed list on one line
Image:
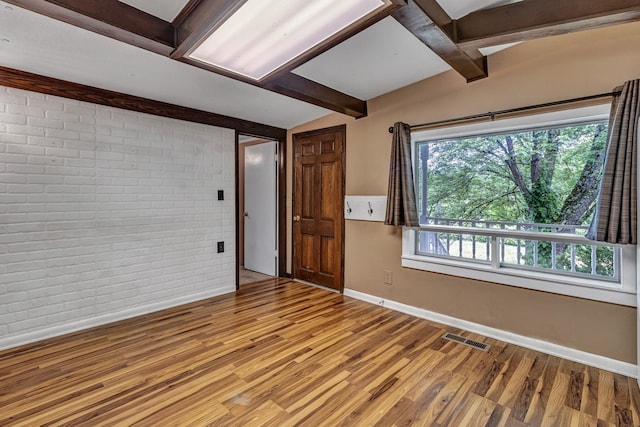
[(516, 199)]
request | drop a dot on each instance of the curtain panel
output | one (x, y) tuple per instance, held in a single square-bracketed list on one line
[(615, 219), (401, 195)]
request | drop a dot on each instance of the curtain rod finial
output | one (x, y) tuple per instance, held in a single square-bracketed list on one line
[(390, 129)]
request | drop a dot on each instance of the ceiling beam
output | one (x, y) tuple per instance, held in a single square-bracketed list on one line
[(36, 83), (430, 24), (298, 87), (119, 21), (532, 19), (110, 18)]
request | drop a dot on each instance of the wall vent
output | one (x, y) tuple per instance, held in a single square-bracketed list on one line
[(465, 341)]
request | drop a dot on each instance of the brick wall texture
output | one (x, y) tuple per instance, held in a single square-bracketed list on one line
[(107, 213)]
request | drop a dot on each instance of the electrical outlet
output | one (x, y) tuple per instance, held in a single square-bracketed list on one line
[(388, 277), (220, 194), (220, 247)]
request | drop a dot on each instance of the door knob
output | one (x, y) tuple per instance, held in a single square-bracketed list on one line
[(246, 214), (296, 218)]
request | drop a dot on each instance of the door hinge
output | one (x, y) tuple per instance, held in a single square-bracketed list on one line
[(275, 158)]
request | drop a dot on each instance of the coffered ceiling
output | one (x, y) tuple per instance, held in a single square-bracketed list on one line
[(127, 47)]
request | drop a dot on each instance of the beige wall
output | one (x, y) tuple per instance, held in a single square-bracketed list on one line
[(537, 71)]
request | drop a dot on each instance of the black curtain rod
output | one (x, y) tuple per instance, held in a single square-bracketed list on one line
[(492, 114)]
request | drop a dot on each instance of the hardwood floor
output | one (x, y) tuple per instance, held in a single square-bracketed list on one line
[(281, 353)]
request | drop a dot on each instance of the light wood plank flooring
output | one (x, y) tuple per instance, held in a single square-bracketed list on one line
[(281, 353)]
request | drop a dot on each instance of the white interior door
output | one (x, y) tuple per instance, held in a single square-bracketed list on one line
[(260, 195)]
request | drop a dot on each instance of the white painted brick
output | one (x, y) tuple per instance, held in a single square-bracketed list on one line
[(13, 139), (80, 127), (37, 160), (62, 189), (13, 158), (79, 180), (45, 123), (61, 115), (45, 179), (78, 109), (25, 149), (62, 170), (13, 118), (60, 133), (25, 130), (43, 198), (80, 145), (117, 210), (84, 162), (9, 98), (13, 178), (24, 93), (13, 198), (43, 103), (25, 110), (27, 188), (62, 152), (44, 142)]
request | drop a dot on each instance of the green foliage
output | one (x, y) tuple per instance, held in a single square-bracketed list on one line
[(522, 177)]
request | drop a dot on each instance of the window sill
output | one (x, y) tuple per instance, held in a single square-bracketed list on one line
[(571, 286)]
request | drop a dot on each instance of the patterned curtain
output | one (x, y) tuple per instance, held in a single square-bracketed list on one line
[(401, 196), (615, 219)]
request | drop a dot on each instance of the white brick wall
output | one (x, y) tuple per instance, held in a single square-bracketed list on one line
[(107, 213)]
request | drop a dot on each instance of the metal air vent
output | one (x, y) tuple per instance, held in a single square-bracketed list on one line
[(465, 341)]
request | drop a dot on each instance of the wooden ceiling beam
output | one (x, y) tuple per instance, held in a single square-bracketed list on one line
[(532, 19), (36, 83), (298, 87), (110, 18), (430, 24)]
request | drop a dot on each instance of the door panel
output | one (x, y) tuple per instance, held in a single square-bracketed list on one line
[(308, 181), (260, 208), (328, 189), (318, 227)]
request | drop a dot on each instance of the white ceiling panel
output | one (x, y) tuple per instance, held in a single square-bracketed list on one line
[(45, 46), (382, 58), (164, 9)]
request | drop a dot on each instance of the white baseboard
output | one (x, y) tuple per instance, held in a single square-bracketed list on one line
[(79, 325), (572, 354)]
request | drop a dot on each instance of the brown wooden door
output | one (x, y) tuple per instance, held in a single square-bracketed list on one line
[(318, 221)]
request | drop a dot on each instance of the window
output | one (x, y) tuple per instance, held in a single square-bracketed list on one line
[(510, 202)]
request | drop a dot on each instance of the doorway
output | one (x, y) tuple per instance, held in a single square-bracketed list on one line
[(258, 254), (318, 206)]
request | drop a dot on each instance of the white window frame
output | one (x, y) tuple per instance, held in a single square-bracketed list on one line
[(623, 293)]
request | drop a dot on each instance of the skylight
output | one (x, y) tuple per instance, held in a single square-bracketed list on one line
[(262, 36)]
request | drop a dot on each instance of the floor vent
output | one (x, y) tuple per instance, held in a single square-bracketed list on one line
[(462, 340)]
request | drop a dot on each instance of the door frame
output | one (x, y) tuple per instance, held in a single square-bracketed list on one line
[(280, 204), (341, 223)]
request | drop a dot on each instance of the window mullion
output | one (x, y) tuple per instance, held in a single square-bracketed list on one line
[(495, 252)]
